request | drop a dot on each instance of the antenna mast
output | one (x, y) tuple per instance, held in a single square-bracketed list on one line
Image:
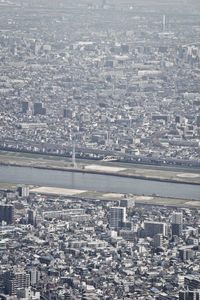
[(73, 153), (164, 23)]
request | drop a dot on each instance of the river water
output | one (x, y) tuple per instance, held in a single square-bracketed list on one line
[(96, 182)]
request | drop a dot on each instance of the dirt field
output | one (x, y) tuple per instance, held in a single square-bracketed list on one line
[(57, 191), (188, 175), (104, 168), (113, 195), (143, 198), (193, 203)]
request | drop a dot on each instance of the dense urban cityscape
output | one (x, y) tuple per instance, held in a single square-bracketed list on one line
[(101, 80), (116, 81), (61, 248)]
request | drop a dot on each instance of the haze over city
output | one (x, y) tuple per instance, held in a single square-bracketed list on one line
[(99, 149)]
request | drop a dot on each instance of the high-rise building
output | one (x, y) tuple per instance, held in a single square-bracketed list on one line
[(189, 295), (178, 119), (158, 240), (32, 217), (117, 217), (14, 280), (176, 229), (64, 113), (26, 106), (68, 113), (23, 191), (124, 49), (198, 121), (103, 3), (127, 202), (177, 218), (38, 109), (28, 293), (152, 228), (177, 223), (192, 282), (34, 276), (185, 253), (37, 47), (7, 213)]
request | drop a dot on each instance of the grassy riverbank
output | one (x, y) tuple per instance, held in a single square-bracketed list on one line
[(114, 168), (94, 195), (162, 173)]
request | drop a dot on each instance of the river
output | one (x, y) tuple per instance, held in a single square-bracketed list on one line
[(96, 182)]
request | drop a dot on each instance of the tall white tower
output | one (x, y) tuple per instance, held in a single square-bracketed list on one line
[(164, 23), (74, 153), (108, 138)]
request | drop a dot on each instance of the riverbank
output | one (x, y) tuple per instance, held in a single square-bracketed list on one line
[(97, 172), (95, 182), (96, 196), (155, 173)]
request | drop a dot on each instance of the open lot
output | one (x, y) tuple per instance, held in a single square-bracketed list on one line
[(188, 175), (104, 168), (57, 191)]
